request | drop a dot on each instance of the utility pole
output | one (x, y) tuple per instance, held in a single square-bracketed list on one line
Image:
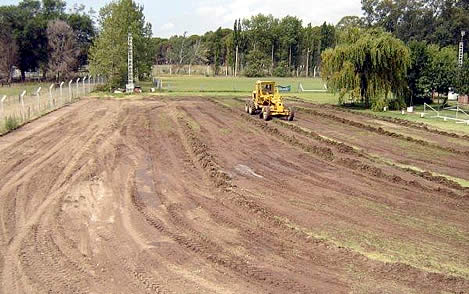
[(236, 61), (130, 69), (307, 63), (461, 49)]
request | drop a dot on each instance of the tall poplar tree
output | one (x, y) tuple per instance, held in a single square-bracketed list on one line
[(108, 54)]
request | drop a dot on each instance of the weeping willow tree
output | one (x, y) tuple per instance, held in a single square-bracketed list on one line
[(369, 66)]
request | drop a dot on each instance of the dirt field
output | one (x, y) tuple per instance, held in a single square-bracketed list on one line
[(191, 195)]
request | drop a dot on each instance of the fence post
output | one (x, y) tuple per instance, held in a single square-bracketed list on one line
[(22, 104), (84, 84), (70, 93), (2, 111), (61, 92), (78, 90), (89, 83), (51, 100), (38, 95)]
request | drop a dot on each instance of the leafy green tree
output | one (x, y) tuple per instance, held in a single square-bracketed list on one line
[(371, 70), (440, 70), (290, 34), (349, 21), (328, 36), (435, 21), (108, 54), (419, 61), (257, 63), (28, 21), (83, 27), (9, 55)]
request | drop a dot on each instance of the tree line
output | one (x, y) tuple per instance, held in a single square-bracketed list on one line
[(399, 48), (400, 53), (257, 46), (42, 35)]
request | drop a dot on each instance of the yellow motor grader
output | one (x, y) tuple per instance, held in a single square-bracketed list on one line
[(267, 102)]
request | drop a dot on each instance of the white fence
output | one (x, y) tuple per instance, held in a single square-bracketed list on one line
[(26, 106), (460, 115)]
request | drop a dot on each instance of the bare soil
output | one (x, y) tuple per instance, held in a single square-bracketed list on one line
[(191, 195)]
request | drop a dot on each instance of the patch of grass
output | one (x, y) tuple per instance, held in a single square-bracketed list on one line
[(11, 123), (462, 182), (449, 126), (225, 131), (425, 256), (422, 222), (17, 88)]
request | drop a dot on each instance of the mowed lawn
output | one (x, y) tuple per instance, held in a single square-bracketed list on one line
[(16, 89), (239, 87), (232, 84)]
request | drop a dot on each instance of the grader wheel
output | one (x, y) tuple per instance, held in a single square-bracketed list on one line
[(291, 116), (266, 113), (251, 109)]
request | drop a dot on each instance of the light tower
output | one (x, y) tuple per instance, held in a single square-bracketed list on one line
[(461, 49), (130, 62)]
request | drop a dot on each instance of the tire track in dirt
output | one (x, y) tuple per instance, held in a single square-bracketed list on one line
[(198, 242), (347, 149), (381, 131), (352, 163), (406, 123), (140, 199), (263, 212)]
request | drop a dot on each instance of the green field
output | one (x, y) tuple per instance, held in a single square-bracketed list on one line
[(17, 88), (231, 84), (239, 87), (438, 123)]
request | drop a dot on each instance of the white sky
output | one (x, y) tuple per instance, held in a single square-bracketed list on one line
[(196, 17)]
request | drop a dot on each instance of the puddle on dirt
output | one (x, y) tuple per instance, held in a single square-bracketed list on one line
[(246, 171), (145, 186)]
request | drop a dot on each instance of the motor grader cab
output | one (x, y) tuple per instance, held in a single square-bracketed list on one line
[(267, 102)]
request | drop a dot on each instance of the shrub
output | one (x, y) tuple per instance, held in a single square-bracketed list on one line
[(281, 70)]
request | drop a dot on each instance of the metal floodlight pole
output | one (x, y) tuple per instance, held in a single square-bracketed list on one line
[(461, 49), (70, 90), (130, 65)]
